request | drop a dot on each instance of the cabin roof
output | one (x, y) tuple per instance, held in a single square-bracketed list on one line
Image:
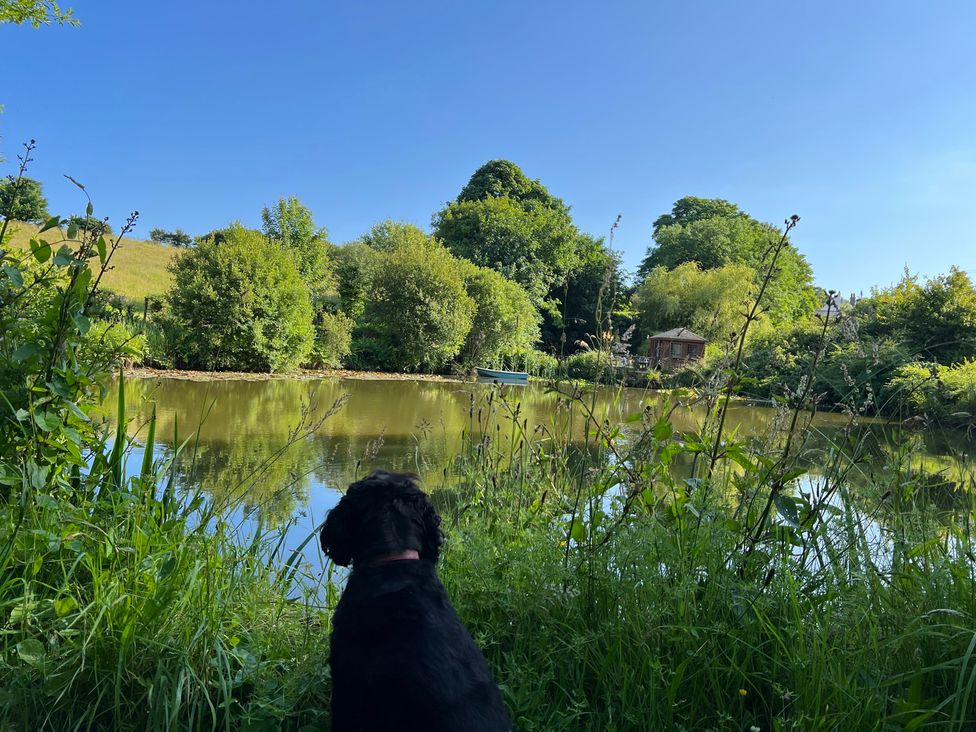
[(680, 334)]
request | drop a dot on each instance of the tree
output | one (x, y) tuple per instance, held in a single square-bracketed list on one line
[(937, 319), (714, 233), (355, 266), (23, 200), (240, 305), (595, 286), (709, 301), (504, 221), (178, 238), (290, 224), (35, 12), (418, 313), (90, 224), (390, 235), (505, 324), (690, 209)]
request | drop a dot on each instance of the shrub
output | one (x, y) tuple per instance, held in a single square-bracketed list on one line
[(333, 340), (240, 305), (113, 344), (419, 312), (505, 322), (23, 200), (588, 365), (90, 225), (944, 393)]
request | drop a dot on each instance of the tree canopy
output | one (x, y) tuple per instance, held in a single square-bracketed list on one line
[(178, 238), (23, 200), (504, 221), (290, 224), (708, 301), (714, 233), (239, 304)]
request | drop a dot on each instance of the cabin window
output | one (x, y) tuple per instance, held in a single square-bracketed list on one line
[(675, 350), (692, 351)]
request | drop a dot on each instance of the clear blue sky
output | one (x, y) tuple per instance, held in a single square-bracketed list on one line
[(859, 116)]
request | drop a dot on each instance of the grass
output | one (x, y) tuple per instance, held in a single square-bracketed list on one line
[(138, 268)]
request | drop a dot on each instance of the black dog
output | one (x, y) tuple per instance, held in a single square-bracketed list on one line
[(401, 659)]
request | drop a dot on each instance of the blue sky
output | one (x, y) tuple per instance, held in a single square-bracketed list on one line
[(858, 116)]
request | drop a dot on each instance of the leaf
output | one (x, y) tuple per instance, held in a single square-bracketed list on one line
[(100, 246), (663, 430), (64, 605), (89, 209), (15, 277), (45, 421), (76, 410), (31, 651), (82, 323), (64, 257), (41, 250), (21, 415), (26, 351), (576, 530), (787, 509), (50, 224), (45, 501)]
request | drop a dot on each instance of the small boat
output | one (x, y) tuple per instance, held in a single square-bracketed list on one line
[(503, 377)]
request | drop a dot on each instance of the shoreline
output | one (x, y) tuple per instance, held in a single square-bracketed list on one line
[(301, 374)]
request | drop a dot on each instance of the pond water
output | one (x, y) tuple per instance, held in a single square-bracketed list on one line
[(238, 432)]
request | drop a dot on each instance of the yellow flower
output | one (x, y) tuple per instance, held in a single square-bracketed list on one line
[(743, 692)]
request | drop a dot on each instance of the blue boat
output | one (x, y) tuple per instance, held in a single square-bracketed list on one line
[(504, 377)]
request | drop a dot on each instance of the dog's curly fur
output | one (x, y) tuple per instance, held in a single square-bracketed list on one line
[(401, 659)]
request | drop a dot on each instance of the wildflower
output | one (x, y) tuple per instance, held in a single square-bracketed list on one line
[(743, 693)]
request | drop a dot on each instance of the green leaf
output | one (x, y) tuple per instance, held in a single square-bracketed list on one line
[(45, 501), (82, 323), (100, 246), (50, 224), (64, 605), (31, 651), (64, 257), (45, 421), (21, 414), (41, 250), (76, 410), (89, 209), (577, 532), (15, 277), (663, 430), (26, 351), (787, 509)]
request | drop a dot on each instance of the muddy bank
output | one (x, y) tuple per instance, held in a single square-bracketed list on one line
[(302, 374)]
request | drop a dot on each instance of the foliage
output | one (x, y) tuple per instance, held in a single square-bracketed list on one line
[(178, 238), (391, 235), (595, 285), (418, 313), (290, 224), (593, 366), (22, 199), (733, 238), (90, 225), (355, 264), (505, 323), (937, 318), (333, 340), (240, 305), (690, 209), (113, 343), (709, 302), (35, 12), (944, 394), (504, 221)]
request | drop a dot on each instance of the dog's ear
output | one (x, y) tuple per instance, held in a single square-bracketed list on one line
[(340, 530), (432, 537)]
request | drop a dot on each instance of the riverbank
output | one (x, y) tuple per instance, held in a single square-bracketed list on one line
[(299, 375)]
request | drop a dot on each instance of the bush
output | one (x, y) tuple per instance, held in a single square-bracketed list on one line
[(240, 305), (589, 365), (505, 322), (943, 393), (333, 340), (419, 312), (90, 225), (23, 200), (113, 343)]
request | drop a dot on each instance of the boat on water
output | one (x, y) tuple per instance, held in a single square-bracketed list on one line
[(503, 377)]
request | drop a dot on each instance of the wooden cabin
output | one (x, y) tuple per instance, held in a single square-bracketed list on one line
[(674, 348)]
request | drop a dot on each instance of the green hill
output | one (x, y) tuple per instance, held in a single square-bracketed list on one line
[(138, 269)]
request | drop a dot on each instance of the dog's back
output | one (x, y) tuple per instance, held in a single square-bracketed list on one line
[(401, 658)]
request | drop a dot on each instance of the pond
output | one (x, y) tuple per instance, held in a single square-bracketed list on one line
[(239, 433)]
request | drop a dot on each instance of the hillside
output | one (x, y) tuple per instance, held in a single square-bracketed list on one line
[(138, 267)]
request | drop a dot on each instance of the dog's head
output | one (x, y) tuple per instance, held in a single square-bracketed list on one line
[(382, 514)]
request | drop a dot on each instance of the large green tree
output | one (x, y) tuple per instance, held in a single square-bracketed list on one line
[(505, 324), (22, 199), (505, 221), (709, 302), (713, 233), (239, 305), (418, 313), (290, 224)]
